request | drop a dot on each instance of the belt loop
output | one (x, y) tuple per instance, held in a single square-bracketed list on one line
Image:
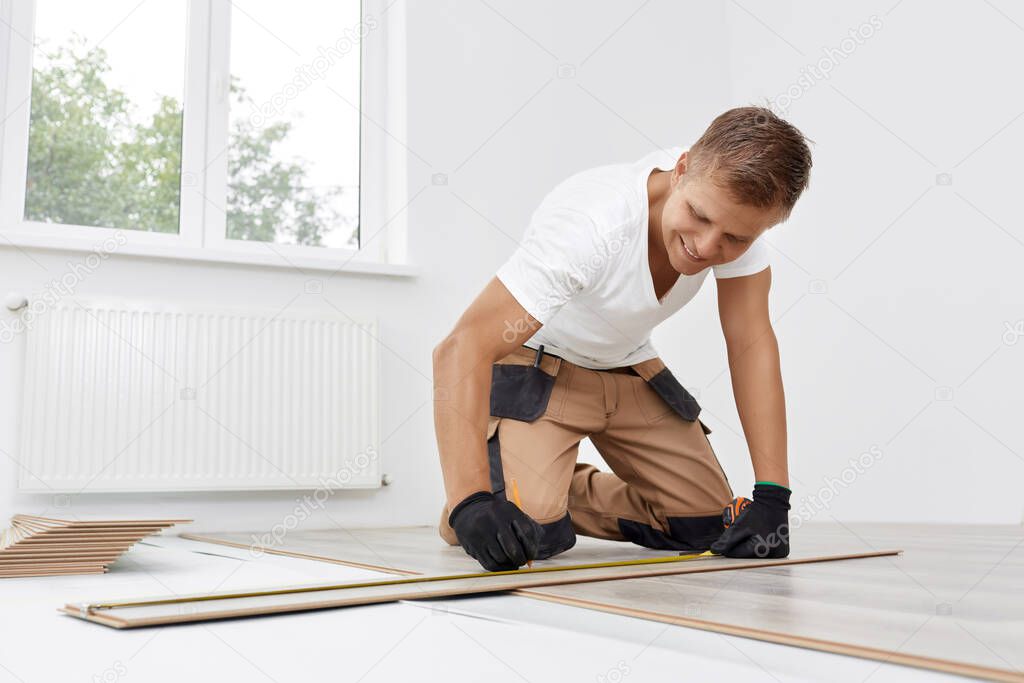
[(540, 354)]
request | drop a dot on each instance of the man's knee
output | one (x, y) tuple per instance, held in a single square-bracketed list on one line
[(683, 533), (553, 516), (558, 537)]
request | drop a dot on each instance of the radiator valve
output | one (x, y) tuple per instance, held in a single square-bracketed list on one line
[(15, 301)]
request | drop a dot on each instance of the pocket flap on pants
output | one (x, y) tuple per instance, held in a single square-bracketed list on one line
[(520, 392), (675, 394)]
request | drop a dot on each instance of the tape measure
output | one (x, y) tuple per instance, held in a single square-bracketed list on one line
[(733, 510), (93, 607)]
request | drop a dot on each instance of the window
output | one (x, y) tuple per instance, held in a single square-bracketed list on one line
[(292, 77), (104, 142), (231, 127)]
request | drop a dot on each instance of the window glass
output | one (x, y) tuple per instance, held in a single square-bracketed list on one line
[(106, 113), (293, 165)]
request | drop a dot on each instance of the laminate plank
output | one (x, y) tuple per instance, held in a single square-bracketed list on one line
[(178, 609), (951, 602)]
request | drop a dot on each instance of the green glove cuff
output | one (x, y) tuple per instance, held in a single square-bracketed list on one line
[(772, 483)]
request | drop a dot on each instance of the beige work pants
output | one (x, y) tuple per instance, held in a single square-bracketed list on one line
[(666, 488)]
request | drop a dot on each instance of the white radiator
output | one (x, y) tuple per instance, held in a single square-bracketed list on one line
[(167, 398)]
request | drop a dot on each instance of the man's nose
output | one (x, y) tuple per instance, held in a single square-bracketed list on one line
[(707, 245)]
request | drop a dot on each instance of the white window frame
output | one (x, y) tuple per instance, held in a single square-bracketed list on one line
[(202, 226)]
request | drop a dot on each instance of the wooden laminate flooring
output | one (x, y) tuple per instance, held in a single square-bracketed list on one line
[(953, 601)]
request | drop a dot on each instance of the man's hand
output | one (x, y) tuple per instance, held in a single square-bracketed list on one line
[(762, 529), (495, 532)]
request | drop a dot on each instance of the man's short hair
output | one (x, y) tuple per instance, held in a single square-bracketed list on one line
[(759, 158)]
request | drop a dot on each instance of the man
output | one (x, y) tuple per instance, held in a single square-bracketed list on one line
[(557, 348)]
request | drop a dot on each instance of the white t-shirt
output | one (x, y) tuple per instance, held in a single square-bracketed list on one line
[(582, 267)]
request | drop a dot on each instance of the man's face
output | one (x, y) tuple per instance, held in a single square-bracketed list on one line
[(703, 226)]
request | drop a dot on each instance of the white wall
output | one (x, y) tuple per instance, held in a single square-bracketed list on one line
[(488, 109), (917, 277), (922, 308)]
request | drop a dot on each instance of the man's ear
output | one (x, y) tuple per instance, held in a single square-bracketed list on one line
[(680, 170)]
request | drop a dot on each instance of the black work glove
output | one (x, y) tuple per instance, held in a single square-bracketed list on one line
[(762, 529), (495, 532)]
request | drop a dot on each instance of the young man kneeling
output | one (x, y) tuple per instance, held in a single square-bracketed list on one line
[(557, 348)]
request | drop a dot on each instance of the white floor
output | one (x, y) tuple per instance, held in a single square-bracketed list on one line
[(492, 638)]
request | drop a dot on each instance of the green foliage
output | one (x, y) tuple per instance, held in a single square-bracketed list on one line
[(150, 163), (78, 128), (90, 164), (265, 193)]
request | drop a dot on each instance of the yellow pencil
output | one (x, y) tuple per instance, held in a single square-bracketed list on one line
[(519, 504)]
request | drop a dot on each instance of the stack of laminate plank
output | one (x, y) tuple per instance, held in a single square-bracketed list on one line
[(42, 546)]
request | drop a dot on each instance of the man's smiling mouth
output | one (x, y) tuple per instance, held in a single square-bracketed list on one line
[(693, 257)]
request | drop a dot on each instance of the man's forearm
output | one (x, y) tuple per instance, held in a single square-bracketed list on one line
[(760, 401), (462, 385)]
